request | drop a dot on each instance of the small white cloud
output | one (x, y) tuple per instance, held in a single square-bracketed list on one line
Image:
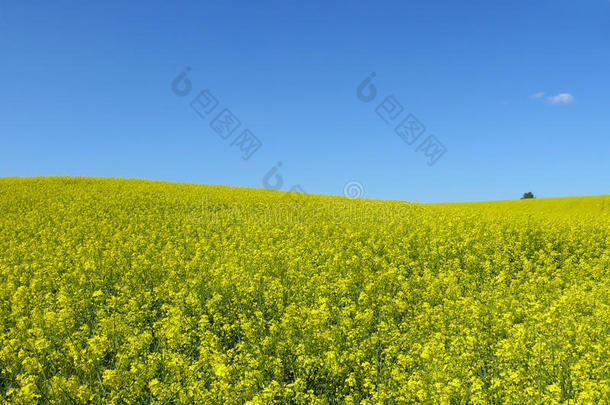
[(561, 98), (538, 95)]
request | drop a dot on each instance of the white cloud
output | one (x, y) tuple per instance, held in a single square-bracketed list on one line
[(538, 95), (561, 98)]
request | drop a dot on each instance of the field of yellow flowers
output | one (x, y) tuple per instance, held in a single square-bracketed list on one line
[(133, 291)]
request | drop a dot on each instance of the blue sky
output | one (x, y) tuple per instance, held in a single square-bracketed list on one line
[(517, 92)]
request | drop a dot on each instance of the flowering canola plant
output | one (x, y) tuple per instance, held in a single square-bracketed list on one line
[(130, 291)]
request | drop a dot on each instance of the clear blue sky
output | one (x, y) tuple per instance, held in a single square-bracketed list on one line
[(518, 92)]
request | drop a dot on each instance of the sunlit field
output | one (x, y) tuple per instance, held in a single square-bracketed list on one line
[(132, 291)]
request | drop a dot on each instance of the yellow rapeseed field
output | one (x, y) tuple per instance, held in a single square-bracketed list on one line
[(131, 291)]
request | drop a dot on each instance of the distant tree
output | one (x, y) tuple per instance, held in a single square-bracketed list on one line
[(529, 194)]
